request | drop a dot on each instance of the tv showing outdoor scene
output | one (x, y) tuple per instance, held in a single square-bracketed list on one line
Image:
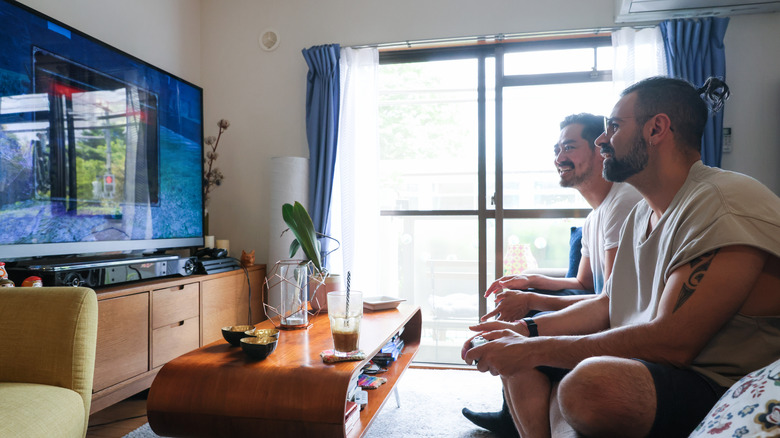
[(99, 151)]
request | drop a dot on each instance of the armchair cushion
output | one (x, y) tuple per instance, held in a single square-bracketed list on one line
[(31, 410)]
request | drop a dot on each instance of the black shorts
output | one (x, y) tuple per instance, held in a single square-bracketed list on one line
[(554, 374), (683, 399)]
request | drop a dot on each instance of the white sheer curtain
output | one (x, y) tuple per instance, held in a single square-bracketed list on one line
[(639, 54), (354, 206)]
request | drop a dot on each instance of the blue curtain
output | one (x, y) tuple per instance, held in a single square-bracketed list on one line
[(322, 125), (695, 51)]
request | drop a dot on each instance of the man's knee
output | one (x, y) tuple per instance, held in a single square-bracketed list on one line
[(582, 391), (602, 392)]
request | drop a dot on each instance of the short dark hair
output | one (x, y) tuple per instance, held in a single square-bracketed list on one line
[(592, 126), (686, 106)]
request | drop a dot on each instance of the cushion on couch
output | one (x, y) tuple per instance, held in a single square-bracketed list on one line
[(575, 251), (750, 408)]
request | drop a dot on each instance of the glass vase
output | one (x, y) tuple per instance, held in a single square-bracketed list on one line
[(294, 289)]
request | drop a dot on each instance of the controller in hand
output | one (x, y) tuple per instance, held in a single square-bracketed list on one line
[(476, 342)]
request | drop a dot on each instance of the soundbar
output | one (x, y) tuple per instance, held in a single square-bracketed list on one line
[(102, 271)]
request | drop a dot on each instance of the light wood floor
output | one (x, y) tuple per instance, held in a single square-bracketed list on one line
[(120, 419)]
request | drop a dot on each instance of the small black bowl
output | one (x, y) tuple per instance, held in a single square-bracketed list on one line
[(259, 347), (234, 333)]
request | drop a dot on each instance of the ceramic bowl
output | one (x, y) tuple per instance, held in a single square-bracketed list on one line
[(256, 332), (234, 333), (259, 347)]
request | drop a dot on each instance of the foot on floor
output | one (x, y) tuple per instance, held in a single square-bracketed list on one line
[(499, 422)]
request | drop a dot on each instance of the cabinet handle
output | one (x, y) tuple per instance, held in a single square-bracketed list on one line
[(177, 324)]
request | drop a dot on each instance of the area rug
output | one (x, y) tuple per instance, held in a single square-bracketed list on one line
[(431, 403)]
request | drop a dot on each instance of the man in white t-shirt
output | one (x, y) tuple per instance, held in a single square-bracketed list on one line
[(691, 305), (580, 166)]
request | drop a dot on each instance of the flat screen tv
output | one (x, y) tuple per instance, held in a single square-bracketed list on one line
[(100, 152)]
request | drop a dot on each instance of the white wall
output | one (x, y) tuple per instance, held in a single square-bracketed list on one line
[(753, 111), (214, 44)]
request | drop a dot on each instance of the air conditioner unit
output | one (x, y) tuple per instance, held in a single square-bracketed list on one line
[(633, 11)]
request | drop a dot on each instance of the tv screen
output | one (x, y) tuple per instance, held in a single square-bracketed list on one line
[(99, 151)]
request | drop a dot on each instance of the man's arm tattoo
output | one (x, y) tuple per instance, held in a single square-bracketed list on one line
[(699, 265)]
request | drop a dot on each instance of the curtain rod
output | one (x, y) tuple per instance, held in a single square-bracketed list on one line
[(494, 38)]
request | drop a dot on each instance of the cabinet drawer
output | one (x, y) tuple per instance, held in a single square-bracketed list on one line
[(122, 340), (174, 340), (175, 304)]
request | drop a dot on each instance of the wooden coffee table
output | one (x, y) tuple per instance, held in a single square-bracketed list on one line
[(218, 391)]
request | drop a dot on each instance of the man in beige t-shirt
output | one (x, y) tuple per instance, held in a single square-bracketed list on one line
[(695, 280)]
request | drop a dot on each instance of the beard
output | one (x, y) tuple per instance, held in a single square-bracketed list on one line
[(620, 169), (576, 179)]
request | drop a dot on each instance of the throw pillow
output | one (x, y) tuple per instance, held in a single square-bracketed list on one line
[(750, 408), (575, 251)]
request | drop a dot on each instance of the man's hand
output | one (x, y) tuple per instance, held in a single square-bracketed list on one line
[(505, 353), (511, 305), (490, 326), (500, 325), (508, 282)]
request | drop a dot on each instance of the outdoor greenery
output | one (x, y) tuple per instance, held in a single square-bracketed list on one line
[(424, 125), (91, 162)]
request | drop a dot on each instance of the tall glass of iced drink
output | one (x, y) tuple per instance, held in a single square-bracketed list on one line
[(345, 315)]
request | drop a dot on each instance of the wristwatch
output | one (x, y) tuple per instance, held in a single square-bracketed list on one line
[(533, 330)]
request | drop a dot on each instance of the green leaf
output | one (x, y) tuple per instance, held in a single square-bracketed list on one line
[(294, 246), (287, 210), (297, 218)]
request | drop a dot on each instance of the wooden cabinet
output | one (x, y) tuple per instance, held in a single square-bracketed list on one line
[(226, 302), (143, 325)]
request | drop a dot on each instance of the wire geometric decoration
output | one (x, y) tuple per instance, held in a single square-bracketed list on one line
[(293, 315)]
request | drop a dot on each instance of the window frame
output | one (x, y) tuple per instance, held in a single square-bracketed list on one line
[(498, 50)]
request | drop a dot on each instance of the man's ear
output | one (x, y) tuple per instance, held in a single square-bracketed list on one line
[(660, 126)]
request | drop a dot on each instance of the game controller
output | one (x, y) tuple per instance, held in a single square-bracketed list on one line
[(214, 253), (477, 341)]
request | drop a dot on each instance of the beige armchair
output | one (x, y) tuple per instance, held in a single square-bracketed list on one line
[(47, 360)]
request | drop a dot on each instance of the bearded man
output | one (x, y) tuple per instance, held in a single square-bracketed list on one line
[(691, 306)]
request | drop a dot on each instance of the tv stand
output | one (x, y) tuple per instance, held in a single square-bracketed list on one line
[(143, 325)]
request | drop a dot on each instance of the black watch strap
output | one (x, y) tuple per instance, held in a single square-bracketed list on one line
[(533, 330)]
